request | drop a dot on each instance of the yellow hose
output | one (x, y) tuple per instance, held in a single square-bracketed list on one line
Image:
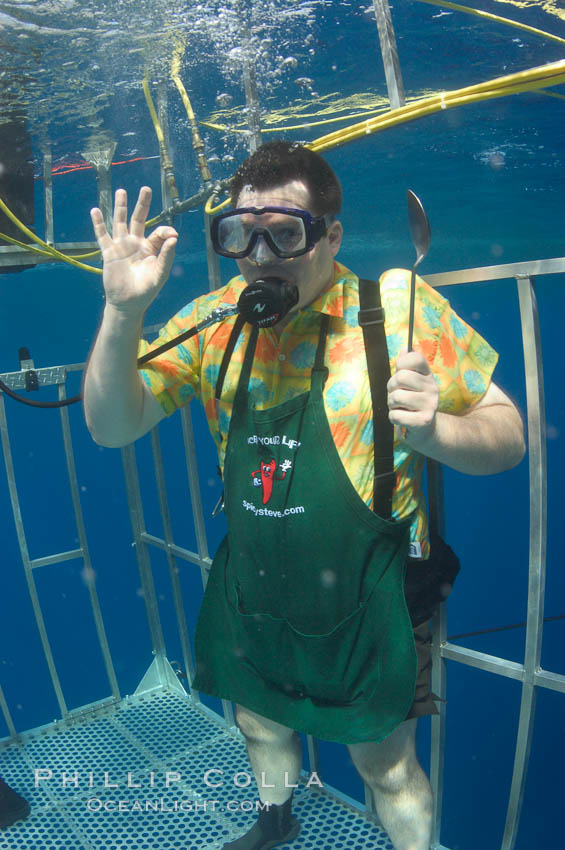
[(4, 237), (184, 96), (496, 18), (305, 126), (197, 143), (23, 245), (153, 113), (165, 158), (534, 78), (175, 76), (210, 210), (88, 255), (48, 248), (553, 94), (312, 110)]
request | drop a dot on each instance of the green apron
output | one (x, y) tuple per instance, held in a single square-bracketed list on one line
[(304, 619)]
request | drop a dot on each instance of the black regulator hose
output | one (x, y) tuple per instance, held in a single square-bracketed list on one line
[(62, 403), (263, 303)]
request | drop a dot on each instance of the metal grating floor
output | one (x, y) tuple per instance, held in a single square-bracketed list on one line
[(146, 736)]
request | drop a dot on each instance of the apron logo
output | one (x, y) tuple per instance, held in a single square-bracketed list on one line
[(265, 476)]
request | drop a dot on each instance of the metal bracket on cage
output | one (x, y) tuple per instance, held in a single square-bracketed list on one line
[(45, 377)]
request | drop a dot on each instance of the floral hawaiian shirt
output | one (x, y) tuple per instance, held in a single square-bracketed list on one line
[(460, 359)]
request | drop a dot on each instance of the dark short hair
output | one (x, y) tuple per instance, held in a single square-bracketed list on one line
[(279, 162)]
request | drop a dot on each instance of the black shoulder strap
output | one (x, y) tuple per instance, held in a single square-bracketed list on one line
[(372, 319)]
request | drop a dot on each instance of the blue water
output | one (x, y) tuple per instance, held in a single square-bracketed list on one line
[(491, 178)]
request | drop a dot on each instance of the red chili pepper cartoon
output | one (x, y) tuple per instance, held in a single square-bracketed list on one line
[(267, 476)]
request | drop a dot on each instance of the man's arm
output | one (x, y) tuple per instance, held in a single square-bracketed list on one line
[(486, 438), (118, 406)]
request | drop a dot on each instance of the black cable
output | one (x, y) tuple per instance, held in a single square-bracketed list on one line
[(65, 402), (141, 360), (503, 628), (62, 403), (172, 343)]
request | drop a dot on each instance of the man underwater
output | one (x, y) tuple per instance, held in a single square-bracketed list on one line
[(304, 623)]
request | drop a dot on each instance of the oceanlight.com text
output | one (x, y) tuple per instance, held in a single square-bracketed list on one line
[(96, 804)]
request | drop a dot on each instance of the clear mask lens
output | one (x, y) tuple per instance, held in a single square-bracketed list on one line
[(285, 234)]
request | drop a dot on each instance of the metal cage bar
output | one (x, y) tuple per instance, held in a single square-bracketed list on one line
[(438, 723), (251, 98), (531, 338), (11, 255), (45, 377), (551, 681), (313, 754), (100, 158), (439, 672), (84, 551), (195, 497), (389, 52), (171, 559), (249, 78), (28, 569), (143, 559), (48, 194), (529, 673), (7, 715), (177, 551), (505, 271)]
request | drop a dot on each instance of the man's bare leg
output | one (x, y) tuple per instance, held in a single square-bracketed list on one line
[(274, 750), (275, 754), (401, 790)]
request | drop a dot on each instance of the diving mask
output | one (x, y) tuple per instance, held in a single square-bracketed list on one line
[(288, 232)]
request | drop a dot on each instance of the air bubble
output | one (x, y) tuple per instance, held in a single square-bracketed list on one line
[(328, 578), (224, 99), (497, 160), (88, 575)]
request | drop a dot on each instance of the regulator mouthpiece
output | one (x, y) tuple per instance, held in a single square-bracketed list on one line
[(267, 301)]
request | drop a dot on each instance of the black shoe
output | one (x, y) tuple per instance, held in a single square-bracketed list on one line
[(274, 826), (12, 806)]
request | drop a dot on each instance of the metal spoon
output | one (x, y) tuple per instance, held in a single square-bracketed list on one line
[(420, 235)]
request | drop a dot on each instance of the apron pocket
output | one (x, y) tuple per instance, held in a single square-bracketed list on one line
[(337, 668)]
